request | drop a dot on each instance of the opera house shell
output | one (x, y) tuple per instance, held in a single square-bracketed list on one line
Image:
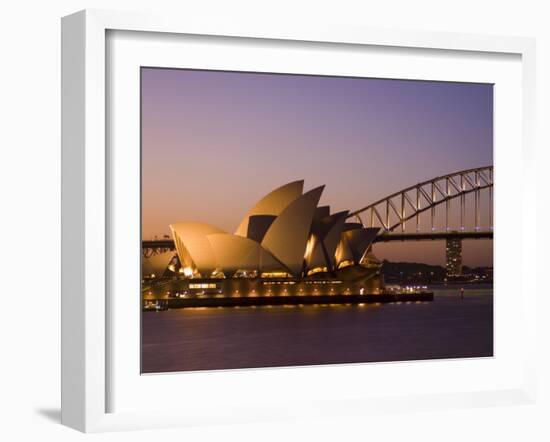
[(286, 235)]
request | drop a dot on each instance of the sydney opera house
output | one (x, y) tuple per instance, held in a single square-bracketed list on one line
[(285, 245)]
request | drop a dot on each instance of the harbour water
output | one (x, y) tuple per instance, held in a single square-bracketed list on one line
[(251, 337)]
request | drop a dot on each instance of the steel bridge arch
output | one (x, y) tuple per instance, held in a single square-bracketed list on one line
[(428, 195)]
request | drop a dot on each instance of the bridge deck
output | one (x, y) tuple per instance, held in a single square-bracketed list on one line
[(169, 243), (434, 236)]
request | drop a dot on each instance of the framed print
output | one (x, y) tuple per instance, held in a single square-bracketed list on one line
[(280, 223), (300, 280)]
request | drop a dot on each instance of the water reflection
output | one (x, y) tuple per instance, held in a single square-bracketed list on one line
[(222, 338)]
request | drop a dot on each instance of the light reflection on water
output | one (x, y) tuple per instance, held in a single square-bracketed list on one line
[(221, 338)]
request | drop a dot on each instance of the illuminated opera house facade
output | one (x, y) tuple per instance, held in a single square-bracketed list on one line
[(285, 245)]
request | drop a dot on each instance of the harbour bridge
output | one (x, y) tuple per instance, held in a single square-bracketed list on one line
[(447, 207)]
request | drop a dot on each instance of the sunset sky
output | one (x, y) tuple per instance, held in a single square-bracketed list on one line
[(213, 143)]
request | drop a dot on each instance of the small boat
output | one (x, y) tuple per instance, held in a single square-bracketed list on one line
[(151, 306)]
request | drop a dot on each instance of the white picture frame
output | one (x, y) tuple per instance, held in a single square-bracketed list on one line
[(85, 201)]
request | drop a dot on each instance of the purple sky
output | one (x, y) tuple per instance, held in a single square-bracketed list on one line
[(213, 143)]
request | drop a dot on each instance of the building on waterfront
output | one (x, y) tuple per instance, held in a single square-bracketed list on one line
[(285, 244), (453, 250)]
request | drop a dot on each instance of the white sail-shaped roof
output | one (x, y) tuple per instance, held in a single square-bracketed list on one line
[(160, 262), (287, 236), (194, 249), (325, 236), (360, 240), (273, 203), (343, 251), (234, 253), (315, 255), (354, 244), (284, 232), (332, 237), (321, 212)]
